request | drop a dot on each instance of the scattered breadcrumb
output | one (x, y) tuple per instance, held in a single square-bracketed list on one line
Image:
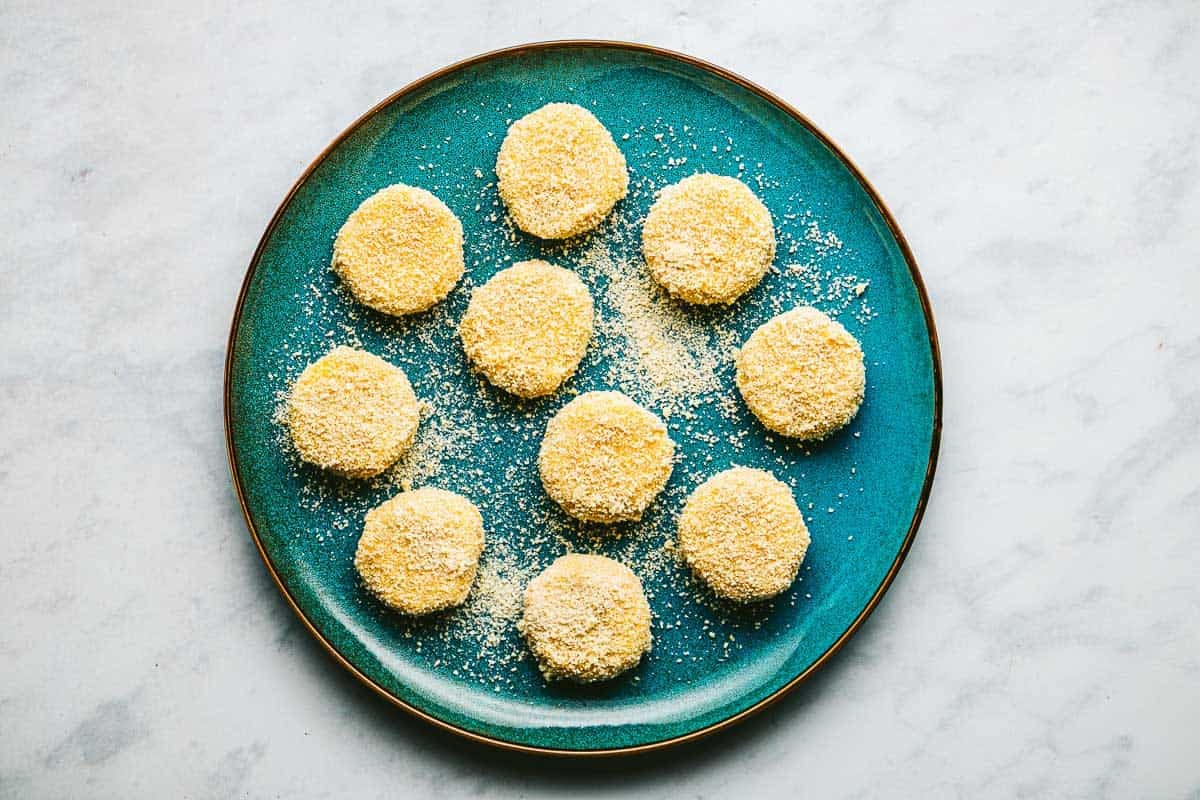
[(653, 346), (675, 360)]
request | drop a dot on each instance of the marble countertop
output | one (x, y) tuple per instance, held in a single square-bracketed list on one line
[(1042, 639)]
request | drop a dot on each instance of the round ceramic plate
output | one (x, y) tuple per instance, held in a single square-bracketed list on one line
[(862, 490)]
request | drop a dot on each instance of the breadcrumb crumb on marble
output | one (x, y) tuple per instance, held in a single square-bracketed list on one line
[(560, 172), (401, 251), (586, 619), (528, 327), (743, 535), (352, 413), (604, 458), (708, 239), (802, 374), (419, 551)]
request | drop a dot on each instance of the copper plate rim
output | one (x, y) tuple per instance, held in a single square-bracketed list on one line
[(935, 354)]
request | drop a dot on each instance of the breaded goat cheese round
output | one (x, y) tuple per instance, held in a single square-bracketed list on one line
[(604, 458), (743, 535), (586, 619), (560, 171), (528, 327), (708, 239), (352, 413), (419, 551), (401, 251), (802, 374)]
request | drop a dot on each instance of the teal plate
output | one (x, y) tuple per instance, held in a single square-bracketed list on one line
[(862, 490)]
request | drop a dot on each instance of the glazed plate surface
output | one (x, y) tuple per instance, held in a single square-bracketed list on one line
[(862, 490)]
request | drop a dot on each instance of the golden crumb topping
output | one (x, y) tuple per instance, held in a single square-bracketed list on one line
[(586, 619), (352, 413), (802, 374), (528, 327), (708, 239), (604, 458), (560, 172), (743, 535), (420, 550), (401, 251)]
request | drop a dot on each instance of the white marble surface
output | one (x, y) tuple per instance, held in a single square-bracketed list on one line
[(1042, 639)]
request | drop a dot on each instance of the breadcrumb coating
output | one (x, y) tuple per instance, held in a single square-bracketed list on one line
[(527, 328), (604, 458), (401, 251), (586, 619), (743, 535), (352, 413), (560, 172), (708, 239), (802, 374), (419, 551)]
